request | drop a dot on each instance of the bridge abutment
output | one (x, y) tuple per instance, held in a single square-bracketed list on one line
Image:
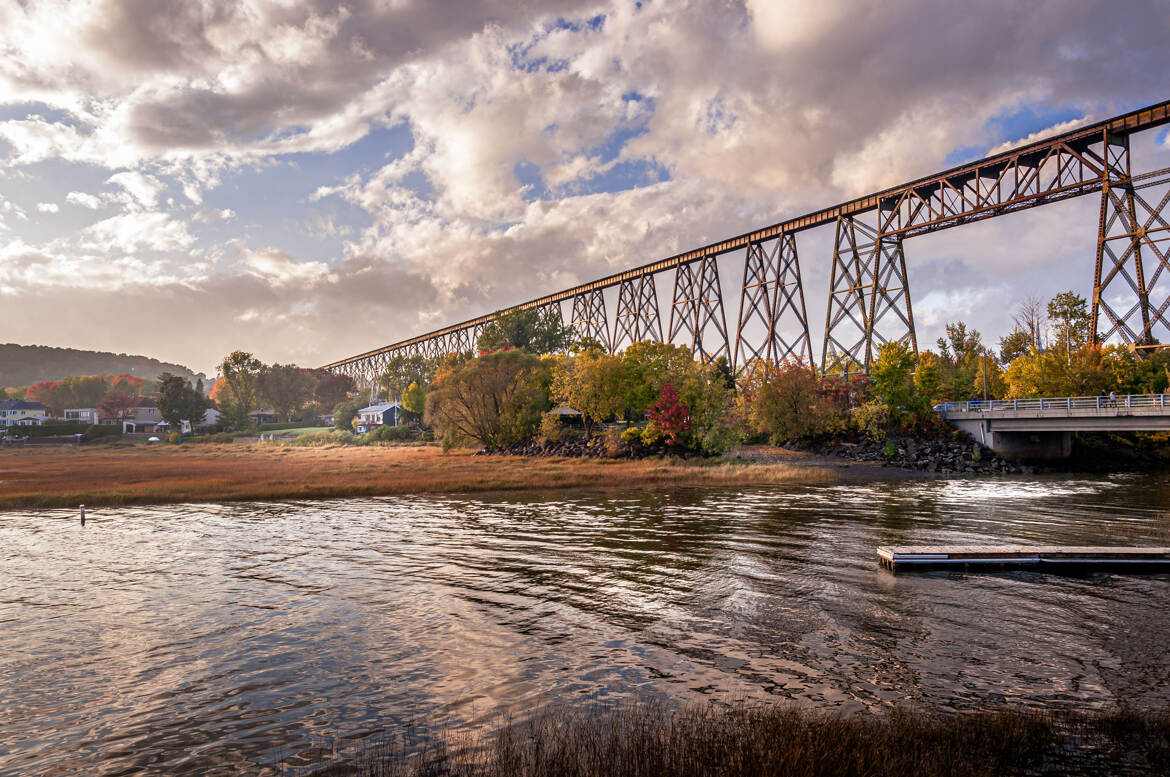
[(1019, 445)]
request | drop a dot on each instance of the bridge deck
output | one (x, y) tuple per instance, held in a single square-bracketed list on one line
[(1005, 556)]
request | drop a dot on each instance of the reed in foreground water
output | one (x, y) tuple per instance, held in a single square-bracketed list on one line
[(778, 741)]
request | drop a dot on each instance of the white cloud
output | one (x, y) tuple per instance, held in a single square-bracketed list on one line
[(135, 231), (84, 199), (279, 268), (144, 189), (215, 215), (48, 207)]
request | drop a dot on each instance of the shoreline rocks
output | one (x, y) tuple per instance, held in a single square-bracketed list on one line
[(941, 456)]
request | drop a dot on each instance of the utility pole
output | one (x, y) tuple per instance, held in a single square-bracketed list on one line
[(985, 376)]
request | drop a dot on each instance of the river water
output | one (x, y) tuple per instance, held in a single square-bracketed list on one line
[(265, 638)]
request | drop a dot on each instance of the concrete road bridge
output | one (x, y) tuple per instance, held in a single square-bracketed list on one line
[(869, 300), (1042, 428)]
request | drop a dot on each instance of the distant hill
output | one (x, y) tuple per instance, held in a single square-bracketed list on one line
[(23, 365)]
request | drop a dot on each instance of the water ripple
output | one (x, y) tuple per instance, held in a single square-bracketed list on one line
[(221, 639)]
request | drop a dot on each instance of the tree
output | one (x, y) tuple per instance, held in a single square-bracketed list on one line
[(331, 388), (1015, 344), (1029, 319), (86, 390), (49, 393), (240, 394), (286, 388), (784, 401), (590, 382), (414, 399), (343, 415), (1068, 312), (118, 406), (401, 371), (992, 384), (928, 378), (892, 375), (648, 366), (127, 384), (960, 346), (494, 400), (671, 416), (536, 330), (179, 401)]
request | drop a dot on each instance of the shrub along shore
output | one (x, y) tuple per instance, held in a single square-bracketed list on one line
[(781, 741)]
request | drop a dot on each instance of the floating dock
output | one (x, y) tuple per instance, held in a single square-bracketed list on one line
[(1045, 557)]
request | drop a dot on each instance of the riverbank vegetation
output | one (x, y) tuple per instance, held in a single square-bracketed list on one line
[(142, 474), (536, 388), (780, 741)]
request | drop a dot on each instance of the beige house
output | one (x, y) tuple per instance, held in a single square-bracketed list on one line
[(18, 412)]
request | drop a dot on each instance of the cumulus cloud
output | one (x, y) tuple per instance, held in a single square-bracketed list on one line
[(134, 231), (48, 207), (552, 142), (143, 189), (280, 269), (84, 199)]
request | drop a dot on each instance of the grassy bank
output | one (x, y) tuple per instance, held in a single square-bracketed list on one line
[(775, 741), (66, 477)]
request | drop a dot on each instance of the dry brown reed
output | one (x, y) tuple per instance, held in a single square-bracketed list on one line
[(778, 741), (100, 475)]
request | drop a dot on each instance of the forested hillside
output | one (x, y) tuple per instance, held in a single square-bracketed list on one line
[(22, 365)]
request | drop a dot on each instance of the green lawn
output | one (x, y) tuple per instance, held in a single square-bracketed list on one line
[(298, 431)]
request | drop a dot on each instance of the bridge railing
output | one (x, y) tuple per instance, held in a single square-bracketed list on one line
[(1056, 403)]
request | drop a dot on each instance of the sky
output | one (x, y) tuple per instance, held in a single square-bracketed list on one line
[(310, 180)]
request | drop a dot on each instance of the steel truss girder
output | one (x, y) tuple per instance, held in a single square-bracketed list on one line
[(772, 292), (589, 319), (1133, 252), (1026, 178), (637, 316), (869, 298), (698, 304)]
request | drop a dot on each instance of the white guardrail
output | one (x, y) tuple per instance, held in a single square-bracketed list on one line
[(1056, 403)]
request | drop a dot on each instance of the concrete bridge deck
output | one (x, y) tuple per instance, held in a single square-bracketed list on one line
[(1042, 428)]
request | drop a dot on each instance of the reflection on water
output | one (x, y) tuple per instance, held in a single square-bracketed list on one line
[(218, 639)]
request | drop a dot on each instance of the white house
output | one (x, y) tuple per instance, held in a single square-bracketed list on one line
[(18, 412), (384, 414), (81, 415), (211, 417)]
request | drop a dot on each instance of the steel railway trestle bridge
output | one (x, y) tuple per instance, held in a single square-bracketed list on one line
[(869, 295)]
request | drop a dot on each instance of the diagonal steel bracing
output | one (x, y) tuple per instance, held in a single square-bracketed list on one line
[(589, 318), (869, 298), (772, 298), (1133, 253), (637, 313), (697, 307)]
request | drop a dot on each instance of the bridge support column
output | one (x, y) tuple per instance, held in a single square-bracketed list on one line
[(637, 312), (697, 305), (772, 292), (869, 298), (1131, 249), (589, 319)]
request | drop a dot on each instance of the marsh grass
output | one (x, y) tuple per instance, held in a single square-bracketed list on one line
[(156, 474), (777, 741)]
